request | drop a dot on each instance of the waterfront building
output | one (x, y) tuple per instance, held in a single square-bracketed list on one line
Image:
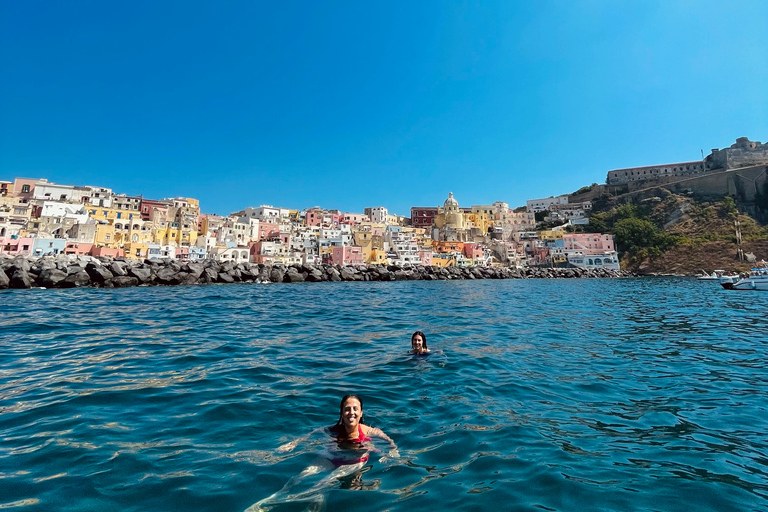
[(588, 243), (46, 246), (268, 252), (78, 248), (17, 246), (347, 255)]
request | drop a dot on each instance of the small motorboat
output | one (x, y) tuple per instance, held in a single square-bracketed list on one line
[(757, 280), (716, 275)]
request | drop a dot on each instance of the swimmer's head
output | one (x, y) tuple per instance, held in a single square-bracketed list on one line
[(350, 411), (418, 341)]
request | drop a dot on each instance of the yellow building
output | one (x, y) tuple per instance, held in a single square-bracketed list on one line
[(136, 250), (443, 260), (550, 235), (105, 235)]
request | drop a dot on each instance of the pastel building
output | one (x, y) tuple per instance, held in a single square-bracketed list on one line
[(22, 245), (541, 205), (347, 256), (588, 242), (45, 246)]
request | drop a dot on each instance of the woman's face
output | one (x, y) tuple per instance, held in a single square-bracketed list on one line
[(351, 412), (417, 343)]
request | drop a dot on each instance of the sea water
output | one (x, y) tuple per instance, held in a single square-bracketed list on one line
[(557, 395)]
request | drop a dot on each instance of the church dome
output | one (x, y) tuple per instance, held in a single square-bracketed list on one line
[(450, 203)]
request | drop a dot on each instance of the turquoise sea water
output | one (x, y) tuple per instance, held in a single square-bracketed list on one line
[(555, 395)]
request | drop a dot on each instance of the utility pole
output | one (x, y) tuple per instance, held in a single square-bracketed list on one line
[(739, 251)]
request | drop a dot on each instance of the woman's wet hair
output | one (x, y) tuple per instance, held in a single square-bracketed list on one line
[(423, 338), (341, 408)]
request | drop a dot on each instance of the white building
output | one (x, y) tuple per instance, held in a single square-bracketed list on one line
[(540, 205), (377, 214), (51, 191), (265, 213)]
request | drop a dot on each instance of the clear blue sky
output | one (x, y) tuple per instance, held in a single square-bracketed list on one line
[(354, 104)]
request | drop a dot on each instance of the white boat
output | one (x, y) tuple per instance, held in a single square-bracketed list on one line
[(757, 280), (717, 275)]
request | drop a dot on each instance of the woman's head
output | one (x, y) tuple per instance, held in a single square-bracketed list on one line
[(418, 341), (350, 411)]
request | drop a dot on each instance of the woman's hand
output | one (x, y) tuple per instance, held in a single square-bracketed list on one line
[(287, 447)]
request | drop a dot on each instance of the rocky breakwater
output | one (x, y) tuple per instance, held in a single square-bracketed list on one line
[(67, 271)]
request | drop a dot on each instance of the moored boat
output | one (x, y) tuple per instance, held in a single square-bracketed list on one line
[(719, 276), (757, 280)]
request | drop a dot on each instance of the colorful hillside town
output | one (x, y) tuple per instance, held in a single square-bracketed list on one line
[(38, 218)]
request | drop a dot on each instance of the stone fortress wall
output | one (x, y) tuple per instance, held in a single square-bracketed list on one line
[(739, 171)]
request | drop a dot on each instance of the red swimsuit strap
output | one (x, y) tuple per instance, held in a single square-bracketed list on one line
[(361, 436)]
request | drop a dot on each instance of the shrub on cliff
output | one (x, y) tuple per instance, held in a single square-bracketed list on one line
[(641, 238)]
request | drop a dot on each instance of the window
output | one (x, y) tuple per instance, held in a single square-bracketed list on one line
[(25, 189)]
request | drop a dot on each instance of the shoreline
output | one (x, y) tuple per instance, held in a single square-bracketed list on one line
[(69, 271)]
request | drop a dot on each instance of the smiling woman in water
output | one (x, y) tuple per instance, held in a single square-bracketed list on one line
[(419, 344), (347, 454)]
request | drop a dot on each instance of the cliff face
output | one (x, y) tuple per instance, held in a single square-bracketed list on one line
[(705, 232), (691, 259)]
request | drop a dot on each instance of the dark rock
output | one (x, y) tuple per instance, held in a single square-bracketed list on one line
[(50, 278), (124, 281), (167, 276), (209, 275), (19, 279), (74, 269), (117, 269), (142, 274), (97, 273), (225, 278), (76, 280), (333, 275), (315, 276), (22, 263), (293, 276), (276, 275), (186, 278), (196, 269), (349, 274)]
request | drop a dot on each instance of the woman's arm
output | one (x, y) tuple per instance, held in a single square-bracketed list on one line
[(377, 432), (287, 447)]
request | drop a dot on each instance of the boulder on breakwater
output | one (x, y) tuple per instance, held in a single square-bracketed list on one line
[(70, 271)]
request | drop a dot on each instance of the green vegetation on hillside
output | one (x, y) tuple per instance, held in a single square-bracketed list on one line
[(655, 223)]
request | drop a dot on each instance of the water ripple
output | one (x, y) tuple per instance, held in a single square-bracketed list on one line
[(541, 395)]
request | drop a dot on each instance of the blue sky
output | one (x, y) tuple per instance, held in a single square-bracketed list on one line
[(347, 105)]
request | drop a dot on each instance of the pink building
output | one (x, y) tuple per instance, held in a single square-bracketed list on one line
[(268, 230), (588, 243), (80, 248), (24, 188), (314, 217), (347, 256), (473, 251), (353, 218), (107, 251), (425, 258), (16, 245), (182, 253)]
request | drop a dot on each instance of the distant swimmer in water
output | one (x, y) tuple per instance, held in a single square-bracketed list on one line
[(352, 442), (419, 344)]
